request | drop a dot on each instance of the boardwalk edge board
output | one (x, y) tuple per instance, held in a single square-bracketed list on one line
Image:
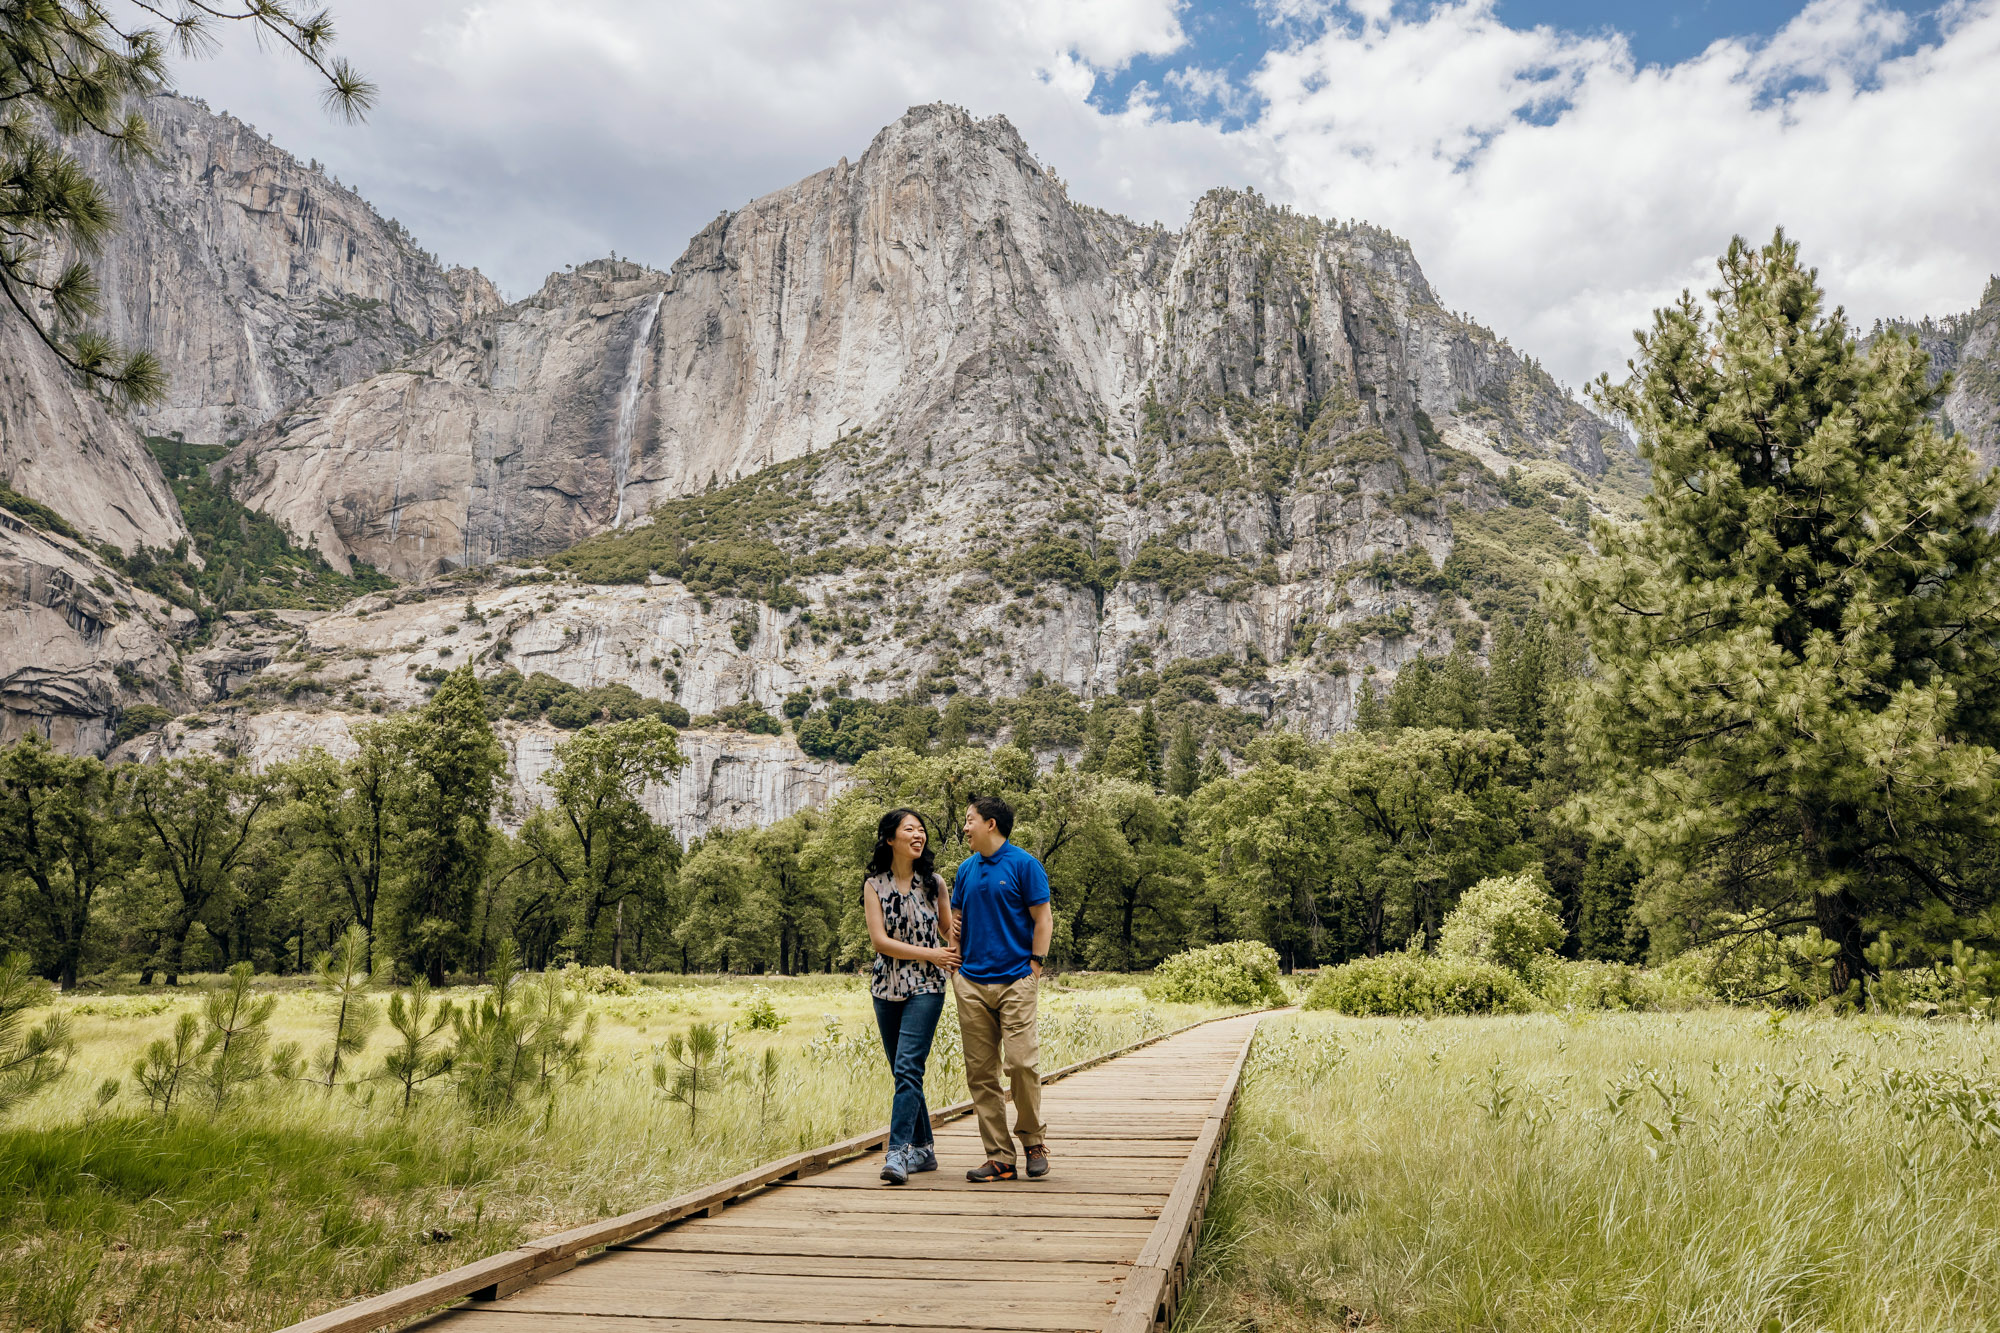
[(509, 1271), (1152, 1291)]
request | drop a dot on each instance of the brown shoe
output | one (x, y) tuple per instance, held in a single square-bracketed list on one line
[(1038, 1161), (992, 1171)]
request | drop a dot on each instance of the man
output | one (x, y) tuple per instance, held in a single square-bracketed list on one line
[(1000, 900)]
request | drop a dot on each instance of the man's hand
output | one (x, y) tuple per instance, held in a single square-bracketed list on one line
[(1035, 968)]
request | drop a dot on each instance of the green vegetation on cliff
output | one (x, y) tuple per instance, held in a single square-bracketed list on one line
[(248, 561)]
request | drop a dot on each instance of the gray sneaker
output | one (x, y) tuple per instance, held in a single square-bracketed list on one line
[(920, 1159), (893, 1169)]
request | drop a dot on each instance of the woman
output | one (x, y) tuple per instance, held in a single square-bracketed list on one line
[(909, 920)]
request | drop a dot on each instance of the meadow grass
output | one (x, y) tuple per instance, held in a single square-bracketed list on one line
[(296, 1199), (1722, 1170)]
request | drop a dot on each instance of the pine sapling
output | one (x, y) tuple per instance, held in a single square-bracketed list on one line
[(167, 1064), (343, 974), (419, 1057), (701, 1059), (493, 1048), (552, 1009), (770, 1072), (30, 1058), (236, 1035)]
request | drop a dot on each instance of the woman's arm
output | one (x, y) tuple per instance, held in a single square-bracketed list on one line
[(878, 935), (947, 924)]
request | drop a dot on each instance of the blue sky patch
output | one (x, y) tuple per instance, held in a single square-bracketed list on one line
[(1207, 78)]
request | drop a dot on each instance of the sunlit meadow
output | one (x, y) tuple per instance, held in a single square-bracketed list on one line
[(1718, 1171), (294, 1198)]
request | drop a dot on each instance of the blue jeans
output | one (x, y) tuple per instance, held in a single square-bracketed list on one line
[(907, 1028)]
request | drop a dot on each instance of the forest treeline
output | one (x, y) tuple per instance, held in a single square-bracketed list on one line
[(199, 862), (1765, 708)]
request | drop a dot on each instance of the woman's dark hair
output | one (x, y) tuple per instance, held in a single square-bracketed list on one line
[(883, 857)]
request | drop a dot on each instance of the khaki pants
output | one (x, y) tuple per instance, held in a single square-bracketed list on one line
[(999, 1020)]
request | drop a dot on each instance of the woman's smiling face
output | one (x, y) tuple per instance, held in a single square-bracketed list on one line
[(910, 837)]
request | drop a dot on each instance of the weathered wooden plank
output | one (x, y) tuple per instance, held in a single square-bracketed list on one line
[(1042, 1203), (1010, 1245), (418, 1297), (1054, 1182), (965, 1269), (493, 1319), (911, 1303), (789, 1221), (670, 1283), (967, 1147)]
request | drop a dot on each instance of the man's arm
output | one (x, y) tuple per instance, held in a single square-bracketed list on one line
[(1045, 931)]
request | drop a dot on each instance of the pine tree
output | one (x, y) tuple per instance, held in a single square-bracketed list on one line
[(68, 69), (1796, 651), (1409, 703), (30, 1058), (1149, 740), (1369, 714), (343, 977), (1456, 693), (417, 1058), (236, 1037), (1213, 767), (1183, 762)]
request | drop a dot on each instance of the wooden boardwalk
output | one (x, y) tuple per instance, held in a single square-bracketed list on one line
[(1102, 1243)]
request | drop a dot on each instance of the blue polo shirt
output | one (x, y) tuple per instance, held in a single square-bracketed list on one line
[(992, 895)]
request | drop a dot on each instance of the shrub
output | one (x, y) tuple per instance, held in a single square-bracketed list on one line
[(763, 1015), (600, 980), (1566, 983), (1240, 972), (1755, 966), (749, 715), (1417, 984), (1511, 921), (139, 719)]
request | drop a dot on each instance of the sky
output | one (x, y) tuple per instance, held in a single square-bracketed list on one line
[(1561, 168)]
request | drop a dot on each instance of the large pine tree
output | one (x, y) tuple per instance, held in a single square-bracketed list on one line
[(1796, 673)]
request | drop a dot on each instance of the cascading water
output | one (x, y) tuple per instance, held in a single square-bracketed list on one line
[(628, 404)]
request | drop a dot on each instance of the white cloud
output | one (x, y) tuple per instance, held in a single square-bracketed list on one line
[(1551, 187), (1558, 191)]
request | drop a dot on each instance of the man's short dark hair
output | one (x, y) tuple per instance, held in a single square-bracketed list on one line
[(995, 809)]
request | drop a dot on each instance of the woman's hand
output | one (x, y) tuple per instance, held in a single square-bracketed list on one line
[(945, 958)]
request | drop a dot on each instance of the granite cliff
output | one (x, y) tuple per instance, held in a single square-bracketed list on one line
[(942, 297), (1967, 347), (256, 278), (916, 427)]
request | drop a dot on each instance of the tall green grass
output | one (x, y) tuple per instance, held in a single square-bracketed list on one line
[(1716, 1171), (297, 1198)]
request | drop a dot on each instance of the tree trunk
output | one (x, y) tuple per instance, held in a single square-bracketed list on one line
[(1839, 919)]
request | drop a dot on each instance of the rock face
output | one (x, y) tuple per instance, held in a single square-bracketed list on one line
[(941, 298), (1968, 348), (256, 279), (78, 644), (731, 779), (61, 445)]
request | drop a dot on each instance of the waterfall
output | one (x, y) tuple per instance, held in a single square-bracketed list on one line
[(628, 404)]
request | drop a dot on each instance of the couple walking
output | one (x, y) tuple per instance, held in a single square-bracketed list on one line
[(985, 941)]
